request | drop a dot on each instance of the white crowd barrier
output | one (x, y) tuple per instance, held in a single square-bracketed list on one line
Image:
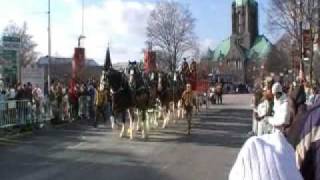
[(23, 112)]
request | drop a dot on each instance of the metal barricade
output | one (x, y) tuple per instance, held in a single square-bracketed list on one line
[(22, 112)]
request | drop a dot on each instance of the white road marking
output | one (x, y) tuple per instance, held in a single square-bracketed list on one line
[(75, 146)]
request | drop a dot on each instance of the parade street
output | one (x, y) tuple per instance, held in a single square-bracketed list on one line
[(77, 151)]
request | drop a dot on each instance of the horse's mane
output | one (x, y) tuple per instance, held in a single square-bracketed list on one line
[(117, 79), (138, 76)]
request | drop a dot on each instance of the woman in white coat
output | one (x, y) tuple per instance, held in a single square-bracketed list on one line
[(267, 157)]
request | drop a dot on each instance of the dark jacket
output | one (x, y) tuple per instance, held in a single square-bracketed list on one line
[(308, 148), (297, 109), (20, 94)]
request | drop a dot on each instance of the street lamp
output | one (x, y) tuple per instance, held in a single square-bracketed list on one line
[(49, 44), (262, 71), (300, 3), (79, 39), (290, 71)]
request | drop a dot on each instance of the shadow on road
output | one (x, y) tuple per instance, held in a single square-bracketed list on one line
[(74, 164), (225, 127)]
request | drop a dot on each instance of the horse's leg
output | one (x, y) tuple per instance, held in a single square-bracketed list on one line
[(130, 131), (112, 121), (159, 112), (110, 115), (148, 123), (123, 124), (155, 117), (180, 110), (166, 116), (145, 128), (174, 113), (150, 118), (138, 120)]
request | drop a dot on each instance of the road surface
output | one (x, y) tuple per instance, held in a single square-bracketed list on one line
[(78, 151)]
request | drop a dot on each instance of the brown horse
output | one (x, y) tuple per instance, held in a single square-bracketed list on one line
[(170, 88), (121, 96), (140, 94)]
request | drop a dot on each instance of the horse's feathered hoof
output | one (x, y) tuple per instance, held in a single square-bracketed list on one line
[(121, 135), (130, 132), (144, 136), (122, 132)]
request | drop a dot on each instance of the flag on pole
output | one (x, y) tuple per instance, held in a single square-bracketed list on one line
[(149, 61), (78, 62)]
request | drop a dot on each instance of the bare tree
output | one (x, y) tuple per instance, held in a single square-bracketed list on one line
[(171, 29), (286, 15), (293, 17), (27, 51)]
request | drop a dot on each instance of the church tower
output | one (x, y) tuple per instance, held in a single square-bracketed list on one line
[(245, 22)]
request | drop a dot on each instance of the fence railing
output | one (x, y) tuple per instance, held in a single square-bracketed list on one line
[(23, 112)]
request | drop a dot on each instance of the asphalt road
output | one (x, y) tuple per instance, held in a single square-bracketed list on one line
[(77, 151)]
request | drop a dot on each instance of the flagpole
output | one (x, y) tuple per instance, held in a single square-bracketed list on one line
[(82, 26)]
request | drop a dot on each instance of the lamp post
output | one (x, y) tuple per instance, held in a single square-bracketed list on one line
[(49, 44), (262, 71), (79, 39), (290, 74), (301, 35)]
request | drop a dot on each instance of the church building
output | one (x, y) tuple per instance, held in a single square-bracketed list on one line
[(241, 57)]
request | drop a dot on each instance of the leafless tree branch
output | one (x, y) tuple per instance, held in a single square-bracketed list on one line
[(171, 29)]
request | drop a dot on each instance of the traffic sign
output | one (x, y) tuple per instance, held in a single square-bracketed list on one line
[(11, 42), (10, 39), (10, 66)]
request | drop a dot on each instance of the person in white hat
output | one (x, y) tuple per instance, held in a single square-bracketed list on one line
[(280, 118), (269, 156)]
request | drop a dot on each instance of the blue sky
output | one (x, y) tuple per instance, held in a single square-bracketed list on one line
[(120, 22)]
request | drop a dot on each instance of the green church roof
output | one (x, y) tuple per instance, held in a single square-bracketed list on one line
[(243, 2), (260, 49), (222, 49)]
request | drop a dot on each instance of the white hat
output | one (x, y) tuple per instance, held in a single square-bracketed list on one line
[(276, 88)]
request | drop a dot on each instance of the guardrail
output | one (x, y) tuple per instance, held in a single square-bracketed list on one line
[(23, 112)]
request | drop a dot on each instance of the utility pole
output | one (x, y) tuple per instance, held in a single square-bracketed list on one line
[(82, 36), (82, 25), (301, 36), (49, 44)]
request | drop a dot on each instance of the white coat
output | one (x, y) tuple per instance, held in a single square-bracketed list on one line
[(267, 157), (281, 112)]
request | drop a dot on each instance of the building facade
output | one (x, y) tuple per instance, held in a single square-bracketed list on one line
[(242, 54)]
